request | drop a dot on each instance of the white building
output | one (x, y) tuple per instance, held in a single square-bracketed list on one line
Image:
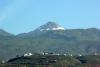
[(28, 54)]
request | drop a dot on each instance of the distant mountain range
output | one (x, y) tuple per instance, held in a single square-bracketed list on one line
[(50, 37)]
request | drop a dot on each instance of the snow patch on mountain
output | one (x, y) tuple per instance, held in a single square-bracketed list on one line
[(58, 28)]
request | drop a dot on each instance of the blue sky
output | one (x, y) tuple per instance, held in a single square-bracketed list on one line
[(20, 16)]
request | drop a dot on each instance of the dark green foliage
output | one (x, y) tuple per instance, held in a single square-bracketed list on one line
[(61, 61)]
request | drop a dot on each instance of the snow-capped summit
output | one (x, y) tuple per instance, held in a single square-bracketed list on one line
[(50, 26)]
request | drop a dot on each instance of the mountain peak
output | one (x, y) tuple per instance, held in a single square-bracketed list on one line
[(50, 26)]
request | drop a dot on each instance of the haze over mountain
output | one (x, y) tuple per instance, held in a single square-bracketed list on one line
[(51, 37)]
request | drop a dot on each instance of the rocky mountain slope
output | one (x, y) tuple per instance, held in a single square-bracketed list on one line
[(51, 37)]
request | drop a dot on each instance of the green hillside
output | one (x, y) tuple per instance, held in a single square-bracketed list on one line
[(38, 60), (70, 41)]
